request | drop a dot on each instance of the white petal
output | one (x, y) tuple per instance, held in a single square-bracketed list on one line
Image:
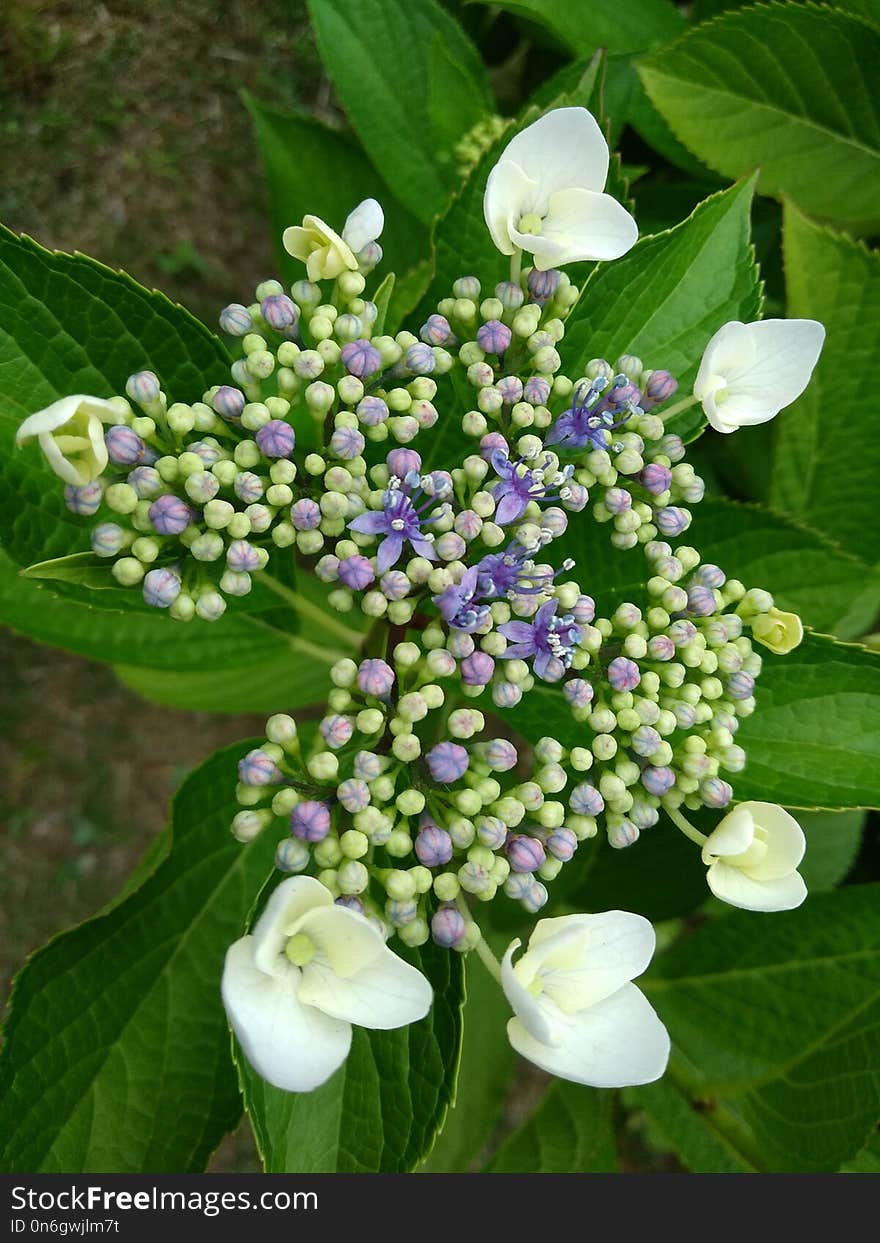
[(509, 195), (732, 885), (786, 351), (564, 148), (731, 836), (617, 1043), (731, 350), (285, 908), (387, 993), (61, 412), (291, 1045), (297, 241), (785, 841), (364, 224), (583, 224), (346, 941), (62, 467), (531, 1015), (610, 950)]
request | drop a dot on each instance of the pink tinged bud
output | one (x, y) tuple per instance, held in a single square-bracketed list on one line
[(536, 897), (671, 520), (477, 669), (106, 539), (655, 478), (124, 447), (506, 694), (624, 674), (346, 443), (618, 500), (661, 386), (351, 902), (536, 391), (336, 731), (554, 520), (420, 359), (494, 337), (375, 677), (660, 647), (400, 913), (436, 330), (740, 685), (248, 487), (525, 854), (645, 740), (433, 846), (450, 546), (356, 572), (235, 320), (394, 585), (685, 714), (622, 834), (585, 800), (510, 295), (143, 387), (305, 514), (562, 844), (291, 856), (491, 832), (161, 587), (701, 601), (468, 524), (276, 439), (448, 927), (371, 411), (242, 557), (279, 312), (170, 515), (715, 792), (576, 498), (658, 781), (511, 389), (360, 358), (518, 885), (490, 442), (353, 794), (671, 446), (401, 461), (146, 481), (258, 769), (682, 632), (460, 644), (543, 285), (367, 766), (229, 402), (310, 821), (85, 500), (499, 754), (578, 692), (584, 610), (447, 762), (710, 576)]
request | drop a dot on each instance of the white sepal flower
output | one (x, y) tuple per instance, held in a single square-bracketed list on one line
[(578, 1015), (71, 434), (310, 969), (326, 254), (545, 194), (753, 857), (749, 372)]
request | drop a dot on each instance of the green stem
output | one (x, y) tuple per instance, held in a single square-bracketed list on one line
[(485, 955), (685, 825), (516, 266), (678, 408), (306, 608)]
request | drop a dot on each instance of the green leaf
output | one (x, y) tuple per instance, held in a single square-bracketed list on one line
[(84, 568), (117, 1051), (867, 1161), (570, 1132), (71, 325), (487, 1059), (785, 88), (814, 739), (412, 85), (833, 841), (665, 299), (680, 1125), (591, 24), (381, 1111), (829, 484), (312, 169), (775, 1025)]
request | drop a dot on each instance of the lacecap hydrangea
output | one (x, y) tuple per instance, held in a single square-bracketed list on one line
[(414, 801)]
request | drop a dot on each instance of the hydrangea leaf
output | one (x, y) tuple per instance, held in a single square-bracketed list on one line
[(787, 89), (775, 1026), (666, 298), (412, 85), (570, 1132), (586, 26), (821, 474), (381, 1111), (116, 1054)]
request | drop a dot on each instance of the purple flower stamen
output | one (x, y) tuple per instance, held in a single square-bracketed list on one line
[(521, 484), (549, 640)]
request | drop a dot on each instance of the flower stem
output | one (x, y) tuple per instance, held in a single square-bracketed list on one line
[(516, 266), (678, 408), (306, 608), (485, 955), (685, 825)]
